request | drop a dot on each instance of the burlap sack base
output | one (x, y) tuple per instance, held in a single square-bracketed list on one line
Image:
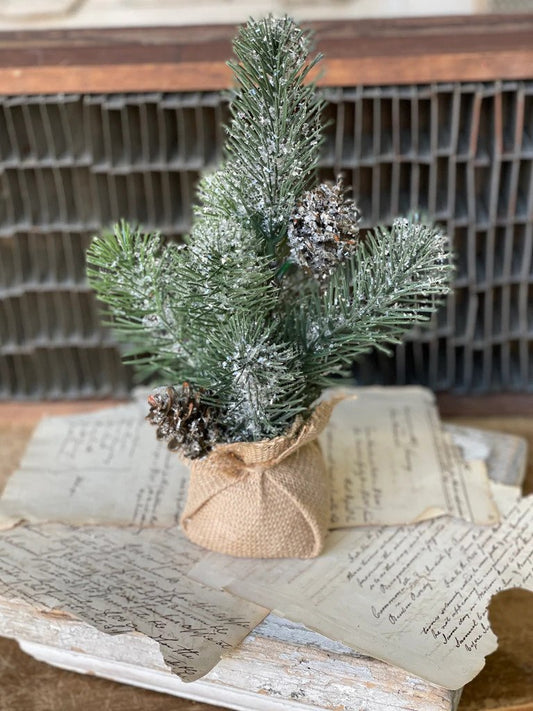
[(266, 499)]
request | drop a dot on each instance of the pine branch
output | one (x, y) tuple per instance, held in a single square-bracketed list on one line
[(129, 272), (224, 291), (391, 282), (220, 274), (274, 136), (261, 378)]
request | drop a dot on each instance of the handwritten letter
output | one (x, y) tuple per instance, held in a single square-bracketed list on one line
[(414, 596), (391, 462), (121, 580), (105, 467)]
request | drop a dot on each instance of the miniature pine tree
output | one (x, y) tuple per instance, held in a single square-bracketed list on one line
[(274, 290)]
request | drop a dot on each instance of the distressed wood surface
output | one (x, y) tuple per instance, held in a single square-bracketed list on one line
[(372, 52), (280, 666)]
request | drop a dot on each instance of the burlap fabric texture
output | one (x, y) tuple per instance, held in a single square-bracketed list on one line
[(267, 499)]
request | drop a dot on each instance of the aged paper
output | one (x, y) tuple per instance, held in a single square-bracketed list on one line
[(104, 467), (505, 496), (391, 462), (415, 596), (123, 580)]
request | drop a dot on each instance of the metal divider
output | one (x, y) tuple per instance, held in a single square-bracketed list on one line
[(72, 164)]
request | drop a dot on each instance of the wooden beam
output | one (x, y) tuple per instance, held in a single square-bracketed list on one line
[(489, 405), (371, 52)]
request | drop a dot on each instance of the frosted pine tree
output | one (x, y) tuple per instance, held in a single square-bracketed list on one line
[(275, 289)]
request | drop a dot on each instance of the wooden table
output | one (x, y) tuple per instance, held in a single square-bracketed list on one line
[(505, 683)]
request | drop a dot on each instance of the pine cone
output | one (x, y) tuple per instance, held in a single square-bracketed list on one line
[(181, 418), (323, 229)]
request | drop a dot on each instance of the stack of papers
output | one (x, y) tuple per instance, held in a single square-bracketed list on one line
[(421, 539)]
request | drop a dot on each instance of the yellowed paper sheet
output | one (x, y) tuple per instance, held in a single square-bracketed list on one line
[(122, 580), (505, 496), (415, 596), (105, 467), (391, 462)]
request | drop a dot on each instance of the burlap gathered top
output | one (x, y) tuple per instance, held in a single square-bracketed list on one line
[(267, 499)]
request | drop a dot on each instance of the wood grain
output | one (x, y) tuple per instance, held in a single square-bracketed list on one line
[(371, 52)]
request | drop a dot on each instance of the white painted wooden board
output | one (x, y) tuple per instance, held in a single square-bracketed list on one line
[(279, 666)]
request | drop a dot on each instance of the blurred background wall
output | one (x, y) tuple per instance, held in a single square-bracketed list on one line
[(73, 162)]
